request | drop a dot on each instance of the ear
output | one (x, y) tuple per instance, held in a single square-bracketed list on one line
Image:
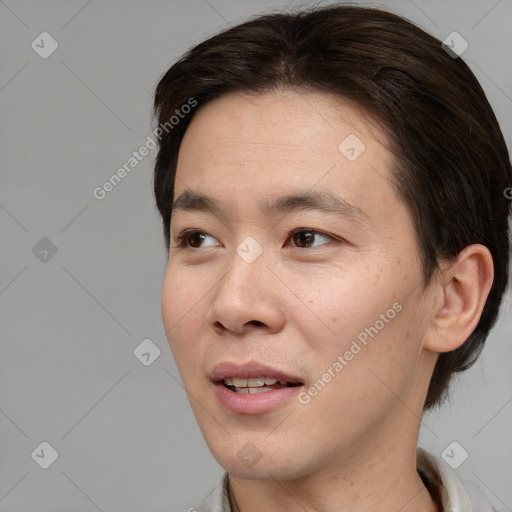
[(460, 295)]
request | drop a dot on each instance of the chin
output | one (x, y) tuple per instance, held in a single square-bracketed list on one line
[(250, 463)]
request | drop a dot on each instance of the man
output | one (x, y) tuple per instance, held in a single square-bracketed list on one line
[(332, 188)]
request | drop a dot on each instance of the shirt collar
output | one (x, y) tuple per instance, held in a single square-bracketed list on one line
[(442, 481)]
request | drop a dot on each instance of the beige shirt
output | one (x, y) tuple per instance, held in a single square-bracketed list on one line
[(438, 477)]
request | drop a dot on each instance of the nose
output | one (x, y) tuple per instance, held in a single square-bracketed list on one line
[(246, 299)]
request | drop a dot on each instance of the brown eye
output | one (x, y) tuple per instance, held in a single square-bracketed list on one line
[(305, 238), (194, 239)]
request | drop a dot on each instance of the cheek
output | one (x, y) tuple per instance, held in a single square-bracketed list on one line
[(182, 312), (169, 302), (332, 306), (362, 316), (181, 289), (360, 376)]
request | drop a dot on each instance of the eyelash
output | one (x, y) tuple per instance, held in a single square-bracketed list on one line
[(183, 238)]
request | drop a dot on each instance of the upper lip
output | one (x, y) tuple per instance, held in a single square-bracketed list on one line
[(251, 369)]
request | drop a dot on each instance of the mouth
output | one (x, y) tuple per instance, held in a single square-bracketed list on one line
[(253, 388), (257, 384)]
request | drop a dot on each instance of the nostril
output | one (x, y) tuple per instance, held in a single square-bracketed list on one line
[(218, 325), (219, 328), (256, 322)]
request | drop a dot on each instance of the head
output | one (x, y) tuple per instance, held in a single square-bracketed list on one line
[(407, 275)]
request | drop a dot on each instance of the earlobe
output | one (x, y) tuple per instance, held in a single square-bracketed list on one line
[(464, 286)]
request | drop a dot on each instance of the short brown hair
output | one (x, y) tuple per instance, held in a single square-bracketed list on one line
[(451, 162)]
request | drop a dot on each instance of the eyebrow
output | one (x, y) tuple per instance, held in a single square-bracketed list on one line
[(324, 201)]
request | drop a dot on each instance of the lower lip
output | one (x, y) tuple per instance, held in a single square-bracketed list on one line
[(254, 403)]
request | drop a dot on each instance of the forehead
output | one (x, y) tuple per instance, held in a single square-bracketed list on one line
[(243, 145), (282, 119)]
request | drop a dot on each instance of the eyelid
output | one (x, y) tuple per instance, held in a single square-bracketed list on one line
[(310, 230), (182, 238)]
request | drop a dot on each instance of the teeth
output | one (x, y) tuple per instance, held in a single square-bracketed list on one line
[(251, 391), (252, 383), (259, 390)]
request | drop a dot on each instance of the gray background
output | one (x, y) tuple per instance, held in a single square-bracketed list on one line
[(124, 432)]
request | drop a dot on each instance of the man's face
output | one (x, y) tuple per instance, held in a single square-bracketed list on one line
[(328, 301)]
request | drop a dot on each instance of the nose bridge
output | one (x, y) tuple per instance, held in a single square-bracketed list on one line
[(247, 269), (245, 293)]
